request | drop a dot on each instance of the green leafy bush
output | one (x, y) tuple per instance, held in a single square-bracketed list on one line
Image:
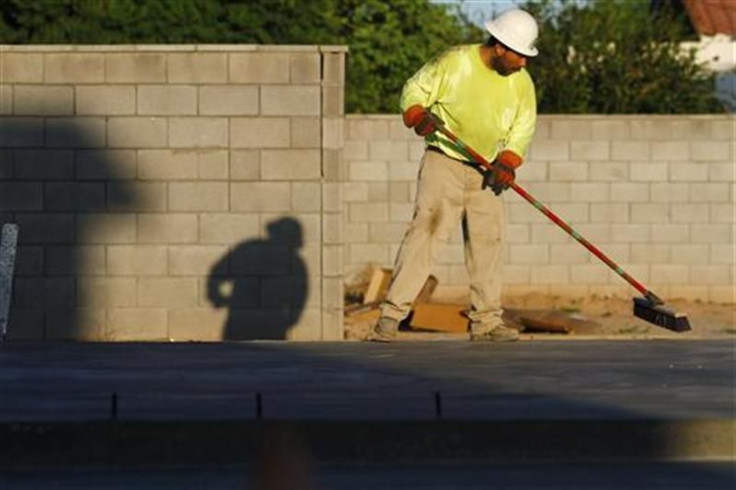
[(615, 57)]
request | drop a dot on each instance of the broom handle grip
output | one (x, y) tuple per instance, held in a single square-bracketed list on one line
[(547, 212)]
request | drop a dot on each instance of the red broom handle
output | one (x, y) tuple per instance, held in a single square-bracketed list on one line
[(552, 216)]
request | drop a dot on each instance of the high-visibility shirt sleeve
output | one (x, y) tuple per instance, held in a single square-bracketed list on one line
[(522, 130), (424, 87)]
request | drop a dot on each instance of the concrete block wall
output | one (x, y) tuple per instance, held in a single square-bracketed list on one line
[(185, 192), (655, 193)]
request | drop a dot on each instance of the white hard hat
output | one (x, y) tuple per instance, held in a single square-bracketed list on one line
[(516, 29)]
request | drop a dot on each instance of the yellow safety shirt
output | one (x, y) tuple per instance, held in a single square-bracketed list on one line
[(487, 111)]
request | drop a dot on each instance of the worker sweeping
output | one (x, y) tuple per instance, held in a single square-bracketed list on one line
[(486, 97)]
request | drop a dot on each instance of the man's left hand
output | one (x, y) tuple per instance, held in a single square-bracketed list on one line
[(503, 173)]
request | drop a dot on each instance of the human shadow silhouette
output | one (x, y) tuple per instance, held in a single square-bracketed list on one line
[(69, 194), (267, 282)]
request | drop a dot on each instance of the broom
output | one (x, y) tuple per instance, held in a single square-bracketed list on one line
[(649, 308)]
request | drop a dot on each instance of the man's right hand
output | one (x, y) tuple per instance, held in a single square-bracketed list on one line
[(420, 119)]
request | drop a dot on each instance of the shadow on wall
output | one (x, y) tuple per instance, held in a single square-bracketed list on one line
[(263, 283), (71, 197)]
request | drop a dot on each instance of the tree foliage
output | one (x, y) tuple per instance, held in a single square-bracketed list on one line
[(616, 57), (388, 41)]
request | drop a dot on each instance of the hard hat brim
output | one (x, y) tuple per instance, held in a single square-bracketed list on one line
[(503, 39)]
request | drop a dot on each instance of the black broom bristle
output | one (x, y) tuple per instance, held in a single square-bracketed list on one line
[(660, 316)]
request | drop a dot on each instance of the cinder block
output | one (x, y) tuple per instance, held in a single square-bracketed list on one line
[(568, 254), (74, 260), (43, 100), (167, 100), (260, 132), (74, 68), (44, 164), (105, 164), (690, 254), (306, 197), (650, 213), (356, 233), (719, 233), (632, 151), (518, 233), (198, 196), (532, 171), (245, 165), (651, 253), (21, 196), (369, 253), (333, 101), (711, 192), (723, 129), (259, 68), (333, 229), (106, 291), (386, 232), (630, 233), (74, 196), (305, 68), (568, 171), (649, 172), (368, 171), (629, 192), (135, 67), (550, 274), (720, 172), (137, 324), (544, 233), (197, 324), (547, 150), (387, 150), (334, 168), (197, 67), (722, 294), (198, 132), (29, 260), (688, 172), (230, 228), (369, 212), (719, 253), (356, 150), (522, 213), (104, 228), (333, 133), (291, 164), (292, 100), (594, 151), (136, 260), (80, 324), (260, 197), (333, 69), (228, 100), (666, 274), (398, 131), (535, 254), (608, 129), (137, 132), (400, 212), (570, 129), (550, 192), (6, 99), (195, 260), (378, 191), (168, 164), (214, 164), (722, 213), (670, 192), (305, 132), (710, 151), (76, 132), (55, 228), (609, 212), (136, 196), (21, 68), (669, 233), (688, 213), (670, 151), (708, 275), (21, 132), (362, 129), (167, 228)]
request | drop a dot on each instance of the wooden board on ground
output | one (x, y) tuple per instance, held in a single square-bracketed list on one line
[(550, 321), (439, 317), (376, 290)]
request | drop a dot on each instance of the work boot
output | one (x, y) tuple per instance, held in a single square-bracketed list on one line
[(385, 330), (498, 334)]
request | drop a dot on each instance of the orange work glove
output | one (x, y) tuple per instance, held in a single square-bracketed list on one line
[(503, 173), (420, 119)]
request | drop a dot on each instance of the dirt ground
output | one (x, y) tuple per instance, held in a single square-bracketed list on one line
[(603, 317)]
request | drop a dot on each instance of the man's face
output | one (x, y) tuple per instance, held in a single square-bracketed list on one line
[(507, 61)]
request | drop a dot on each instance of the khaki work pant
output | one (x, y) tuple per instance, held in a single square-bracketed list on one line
[(449, 192)]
